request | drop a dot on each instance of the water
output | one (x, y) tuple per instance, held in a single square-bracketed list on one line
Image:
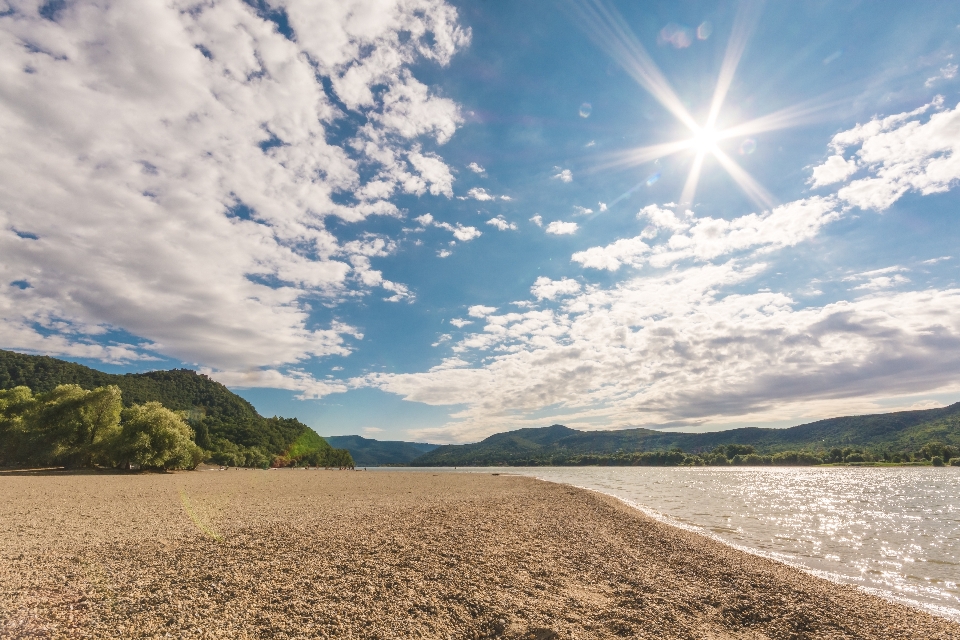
[(894, 532)]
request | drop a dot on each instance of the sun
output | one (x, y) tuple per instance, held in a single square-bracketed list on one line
[(611, 33), (704, 140)]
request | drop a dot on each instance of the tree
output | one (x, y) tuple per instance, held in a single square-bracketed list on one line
[(68, 425), (156, 438)]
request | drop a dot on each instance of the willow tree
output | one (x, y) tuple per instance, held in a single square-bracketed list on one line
[(154, 437), (68, 426)]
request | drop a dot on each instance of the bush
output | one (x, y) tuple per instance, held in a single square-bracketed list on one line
[(955, 462), (937, 461)]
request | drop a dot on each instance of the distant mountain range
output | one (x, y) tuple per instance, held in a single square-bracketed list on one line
[(894, 432), (370, 452)]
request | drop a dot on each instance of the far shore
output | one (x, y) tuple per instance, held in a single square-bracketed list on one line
[(392, 554)]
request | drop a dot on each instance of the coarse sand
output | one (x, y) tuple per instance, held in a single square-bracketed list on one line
[(341, 554)]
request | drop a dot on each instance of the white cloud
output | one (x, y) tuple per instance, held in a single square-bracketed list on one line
[(936, 260), (537, 220), (372, 430), (501, 223), (466, 234), (948, 72), (565, 175), (685, 347), (506, 198), (613, 256), (582, 211), (444, 253), (460, 323), (834, 170), (293, 380), (478, 193), (446, 337), (879, 278), (460, 232), (901, 154), (188, 145), (476, 168), (425, 220), (603, 206), (562, 228), (545, 288), (709, 238), (480, 311)]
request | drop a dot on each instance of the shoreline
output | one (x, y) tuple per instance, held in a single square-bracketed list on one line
[(393, 554), (952, 615)]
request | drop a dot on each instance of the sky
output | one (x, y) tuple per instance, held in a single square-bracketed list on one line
[(435, 221)]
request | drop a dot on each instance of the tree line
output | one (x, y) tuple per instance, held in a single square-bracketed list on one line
[(70, 426), (935, 453)]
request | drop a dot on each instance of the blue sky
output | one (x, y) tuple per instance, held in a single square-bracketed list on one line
[(436, 220)]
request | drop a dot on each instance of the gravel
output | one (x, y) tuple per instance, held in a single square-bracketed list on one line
[(340, 554)]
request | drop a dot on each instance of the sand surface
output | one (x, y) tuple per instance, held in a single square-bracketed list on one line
[(330, 554)]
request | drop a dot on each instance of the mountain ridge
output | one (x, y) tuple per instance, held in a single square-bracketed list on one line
[(896, 431)]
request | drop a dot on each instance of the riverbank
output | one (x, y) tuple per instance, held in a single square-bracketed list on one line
[(293, 553)]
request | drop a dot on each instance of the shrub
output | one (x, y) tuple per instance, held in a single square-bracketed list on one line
[(955, 462), (937, 461)]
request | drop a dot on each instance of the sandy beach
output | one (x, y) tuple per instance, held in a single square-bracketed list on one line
[(329, 554)]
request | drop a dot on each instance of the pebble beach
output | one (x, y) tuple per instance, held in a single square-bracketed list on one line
[(340, 554)]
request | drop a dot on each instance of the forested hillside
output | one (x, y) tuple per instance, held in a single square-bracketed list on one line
[(370, 452), (225, 425), (903, 434)]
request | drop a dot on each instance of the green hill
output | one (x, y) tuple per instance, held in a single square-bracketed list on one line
[(370, 452), (224, 423), (901, 432)]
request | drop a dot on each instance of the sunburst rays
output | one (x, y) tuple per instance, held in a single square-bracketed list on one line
[(607, 28)]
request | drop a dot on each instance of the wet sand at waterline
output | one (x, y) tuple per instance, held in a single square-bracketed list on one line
[(339, 554)]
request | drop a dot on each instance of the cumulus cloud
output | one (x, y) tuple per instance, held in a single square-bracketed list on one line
[(460, 232), (537, 220), (166, 174), (562, 228), (684, 347), (708, 238), (444, 253), (425, 220), (478, 193), (476, 168), (501, 223), (460, 323), (546, 289), (480, 311), (564, 175), (834, 170), (582, 211), (901, 153)]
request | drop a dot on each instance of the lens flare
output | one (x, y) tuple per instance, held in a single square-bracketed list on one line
[(585, 110), (653, 179), (748, 146), (704, 30), (676, 35)]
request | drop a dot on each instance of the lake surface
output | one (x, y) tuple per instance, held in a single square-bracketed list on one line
[(894, 532)]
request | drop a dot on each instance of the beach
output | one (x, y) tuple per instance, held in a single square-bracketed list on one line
[(313, 553)]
